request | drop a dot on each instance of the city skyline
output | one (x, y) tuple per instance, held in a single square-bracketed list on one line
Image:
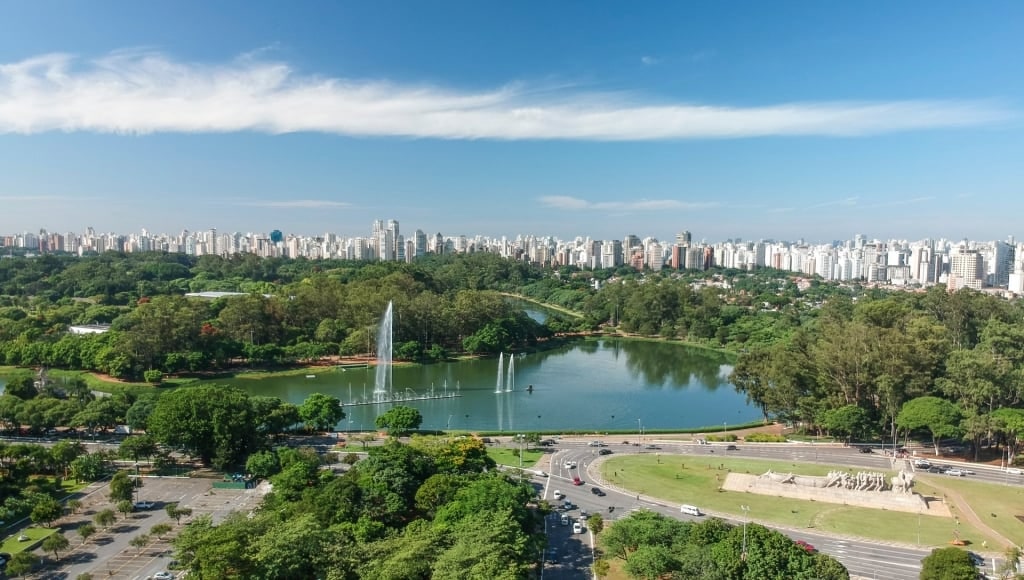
[(797, 120)]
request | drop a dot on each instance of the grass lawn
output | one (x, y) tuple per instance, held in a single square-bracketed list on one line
[(986, 499), (696, 480), (36, 535), (510, 456)]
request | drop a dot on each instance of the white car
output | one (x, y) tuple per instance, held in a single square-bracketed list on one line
[(1014, 471), (558, 494), (565, 520), (163, 576), (577, 528), (956, 472), (144, 505), (569, 464)]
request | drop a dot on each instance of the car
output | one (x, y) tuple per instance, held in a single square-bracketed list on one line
[(1014, 471), (937, 469), (564, 520), (163, 575), (866, 450), (922, 463), (595, 444), (583, 515), (567, 504), (569, 464), (4, 559), (577, 528), (731, 448), (605, 452), (144, 505), (547, 442), (977, 560), (558, 494), (651, 446), (577, 481), (805, 546), (597, 491), (956, 472)]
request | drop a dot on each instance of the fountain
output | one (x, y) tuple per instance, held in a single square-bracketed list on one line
[(498, 388), (510, 378), (382, 377)]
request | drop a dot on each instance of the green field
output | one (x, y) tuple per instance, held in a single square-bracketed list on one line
[(510, 456), (986, 499), (697, 481)]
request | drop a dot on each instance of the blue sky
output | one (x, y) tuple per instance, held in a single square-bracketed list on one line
[(728, 119)]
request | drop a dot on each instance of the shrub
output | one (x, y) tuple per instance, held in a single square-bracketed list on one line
[(764, 438), (153, 376), (726, 437)]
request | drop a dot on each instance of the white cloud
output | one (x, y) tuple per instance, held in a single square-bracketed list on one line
[(649, 60), (146, 92), (299, 204), (567, 202)]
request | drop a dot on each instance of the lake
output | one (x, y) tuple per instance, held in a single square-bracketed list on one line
[(598, 385)]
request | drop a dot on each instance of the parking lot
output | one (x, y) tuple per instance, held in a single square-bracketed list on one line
[(108, 553)]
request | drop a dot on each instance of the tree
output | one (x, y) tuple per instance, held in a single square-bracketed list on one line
[(177, 512), (73, 505), (88, 467), (948, 564), (136, 447), (399, 420), (140, 541), (651, 562), (213, 423), (262, 464), (22, 387), (64, 452), (86, 530), (321, 412), (848, 421), (160, 530), (122, 488), (126, 507), (939, 416), (46, 511), (84, 576), (105, 518), (56, 543), (596, 523), (21, 564)]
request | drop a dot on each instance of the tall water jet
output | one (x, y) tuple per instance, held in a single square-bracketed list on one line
[(510, 378), (382, 377), (498, 387)]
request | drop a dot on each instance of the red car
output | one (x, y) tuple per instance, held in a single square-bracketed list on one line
[(577, 481), (805, 546)]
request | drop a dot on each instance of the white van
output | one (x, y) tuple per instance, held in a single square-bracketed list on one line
[(690, 510)]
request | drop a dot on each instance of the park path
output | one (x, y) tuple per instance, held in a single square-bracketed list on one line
[(968, 514)]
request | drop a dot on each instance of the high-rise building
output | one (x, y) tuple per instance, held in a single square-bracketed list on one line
[(966, 269)]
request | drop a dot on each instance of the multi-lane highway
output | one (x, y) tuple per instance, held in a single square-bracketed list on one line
[(569, 553)]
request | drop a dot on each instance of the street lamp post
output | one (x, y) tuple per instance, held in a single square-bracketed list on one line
[(746, 516), (640, 431)]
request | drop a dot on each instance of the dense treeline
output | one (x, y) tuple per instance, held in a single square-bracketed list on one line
[(945, 364), (296, 311), (434, 508)]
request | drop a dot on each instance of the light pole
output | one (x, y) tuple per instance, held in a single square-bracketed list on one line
[(746, 516), (520, 437), (640, 431)]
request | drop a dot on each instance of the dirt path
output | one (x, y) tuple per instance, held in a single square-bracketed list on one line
[(957, 501)]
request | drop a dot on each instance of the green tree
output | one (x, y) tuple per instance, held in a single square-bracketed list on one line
[(321, 412), (939, 416), (651, 562), (595, 523), (22, 387), (126, 507), (86, 531), (948, 564), (399, 420), (105, 518), (213, 423), (122, 488), (55, 543), (160, 530), (136, 447), (140, 541), (73, 505), (262, 464), (88, 467), (21, 564), (176, 512), (46, 511), (64, 452), (848, 421)]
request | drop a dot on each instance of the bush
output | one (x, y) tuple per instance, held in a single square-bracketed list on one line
[(764, 438), (153, 376), (727, 437)]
